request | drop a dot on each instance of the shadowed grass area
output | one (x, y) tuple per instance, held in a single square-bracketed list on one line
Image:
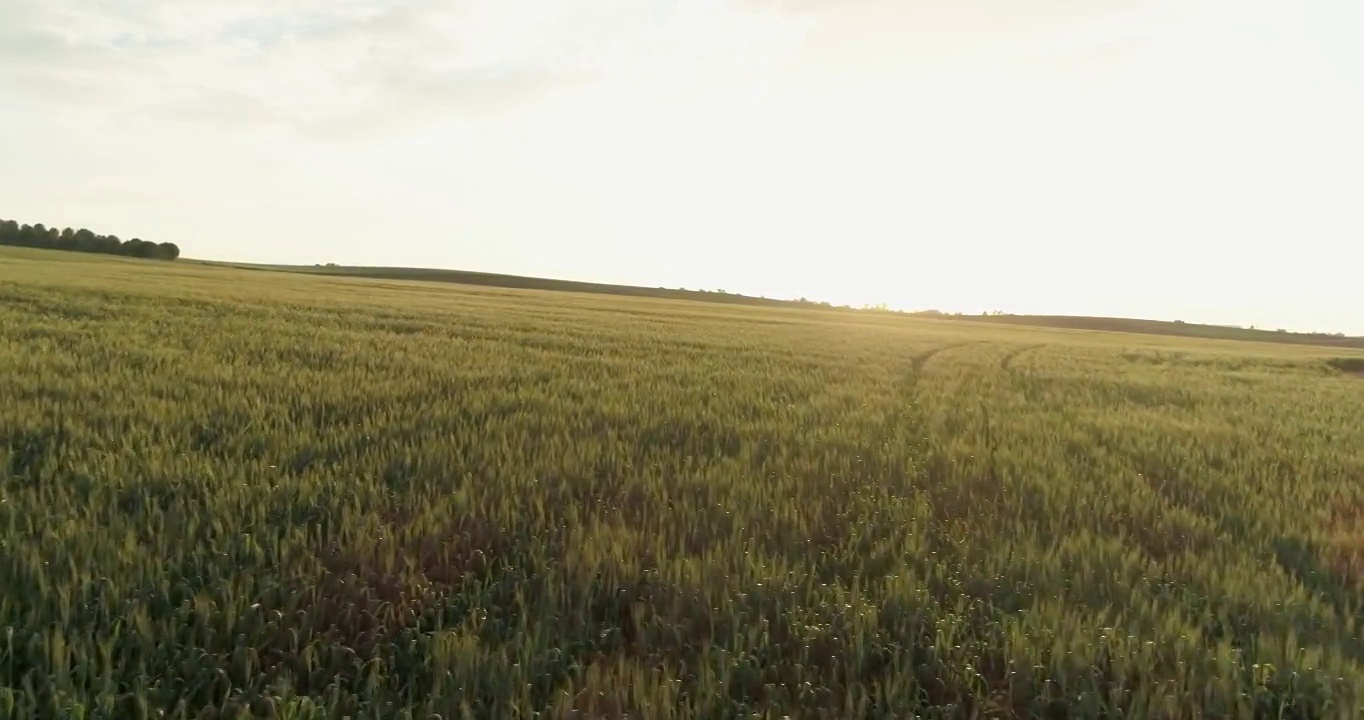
[(1351, 365), (228, 493)]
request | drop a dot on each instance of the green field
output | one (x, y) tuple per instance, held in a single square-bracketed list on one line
[(234, 493), (1070, 322)]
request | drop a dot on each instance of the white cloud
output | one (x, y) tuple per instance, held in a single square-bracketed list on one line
[(852, 34), (340, 68)]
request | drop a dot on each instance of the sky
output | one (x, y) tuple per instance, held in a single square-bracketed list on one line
[(1178, 159)]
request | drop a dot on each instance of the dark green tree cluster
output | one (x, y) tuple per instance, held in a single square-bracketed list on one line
[(82, 240)]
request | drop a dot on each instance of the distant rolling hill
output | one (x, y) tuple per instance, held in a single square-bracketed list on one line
[(465, 277), (1101, 324), (1163, 327)]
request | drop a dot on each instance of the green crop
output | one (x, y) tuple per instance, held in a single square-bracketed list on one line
[(231, 494)]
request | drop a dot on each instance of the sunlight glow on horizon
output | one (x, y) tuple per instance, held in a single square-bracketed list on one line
[(1194, 160)]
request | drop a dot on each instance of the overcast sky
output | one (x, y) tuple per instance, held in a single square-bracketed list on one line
[(1194, 159)]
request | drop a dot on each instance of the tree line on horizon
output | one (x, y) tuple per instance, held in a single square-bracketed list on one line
[(83, 240)]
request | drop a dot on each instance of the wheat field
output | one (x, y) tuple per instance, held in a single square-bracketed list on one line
[(246, 494)]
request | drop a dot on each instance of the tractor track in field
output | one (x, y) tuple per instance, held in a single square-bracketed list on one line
[(905, 391), (917, 362), (1006, 362)]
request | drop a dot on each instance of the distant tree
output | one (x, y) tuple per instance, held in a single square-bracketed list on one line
[(108, 244), (139, 248), (87, 241), (82, 240)]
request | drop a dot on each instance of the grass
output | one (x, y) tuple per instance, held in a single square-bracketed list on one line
[(228, 493)]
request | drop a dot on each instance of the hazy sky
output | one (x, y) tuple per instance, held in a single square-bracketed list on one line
[(1195, 159)]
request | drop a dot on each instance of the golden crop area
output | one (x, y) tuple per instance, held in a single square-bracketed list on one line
[(228, 493)]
